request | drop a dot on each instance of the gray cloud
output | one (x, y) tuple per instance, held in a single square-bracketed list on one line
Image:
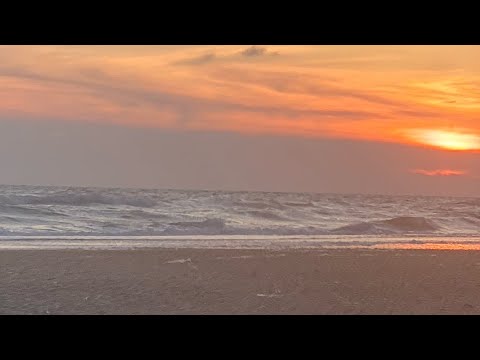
[(250, 52), (254, 51)]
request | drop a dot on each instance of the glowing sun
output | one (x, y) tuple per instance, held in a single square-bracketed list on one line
[(449, 140)]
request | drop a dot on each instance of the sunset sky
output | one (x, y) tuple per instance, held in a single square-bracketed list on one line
[(383, 119)]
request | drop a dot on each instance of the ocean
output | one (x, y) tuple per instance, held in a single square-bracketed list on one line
[(74, 217)]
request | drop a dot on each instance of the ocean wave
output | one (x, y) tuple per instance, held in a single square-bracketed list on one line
[(208, 227), (260, 205), (299, 204), (143, 215), (17, 210), (410, 223), (84, 199), (93, 211), (397, 225), (267, 215)]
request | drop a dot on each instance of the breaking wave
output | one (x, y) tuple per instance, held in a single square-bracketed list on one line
[(397, 225)]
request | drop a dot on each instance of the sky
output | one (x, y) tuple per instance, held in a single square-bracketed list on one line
[(351, 119)]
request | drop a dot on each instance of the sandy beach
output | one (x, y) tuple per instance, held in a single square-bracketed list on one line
[(163, 281)]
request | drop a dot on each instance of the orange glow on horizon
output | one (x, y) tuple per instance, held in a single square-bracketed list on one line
[(430, 246), (448, 140)]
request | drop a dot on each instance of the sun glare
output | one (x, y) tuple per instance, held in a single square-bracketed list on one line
[(447, 139)]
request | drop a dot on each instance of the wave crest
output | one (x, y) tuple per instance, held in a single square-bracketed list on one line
[(397, 225)]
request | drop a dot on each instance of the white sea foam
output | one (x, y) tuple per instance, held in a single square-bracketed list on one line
[(269, 295), (179, 261)]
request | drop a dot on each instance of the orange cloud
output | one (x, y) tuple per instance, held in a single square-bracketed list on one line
[(439, 172), (358, 92)]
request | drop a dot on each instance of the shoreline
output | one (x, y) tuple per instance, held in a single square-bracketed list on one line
[(232, 281), (241, 242)]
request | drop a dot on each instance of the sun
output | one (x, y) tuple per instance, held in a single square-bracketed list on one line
[(449, 140)]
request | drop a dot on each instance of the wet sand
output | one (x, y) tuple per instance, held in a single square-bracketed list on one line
[(188, 281)]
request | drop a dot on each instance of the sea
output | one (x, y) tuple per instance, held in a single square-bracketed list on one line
[(40, 217)]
